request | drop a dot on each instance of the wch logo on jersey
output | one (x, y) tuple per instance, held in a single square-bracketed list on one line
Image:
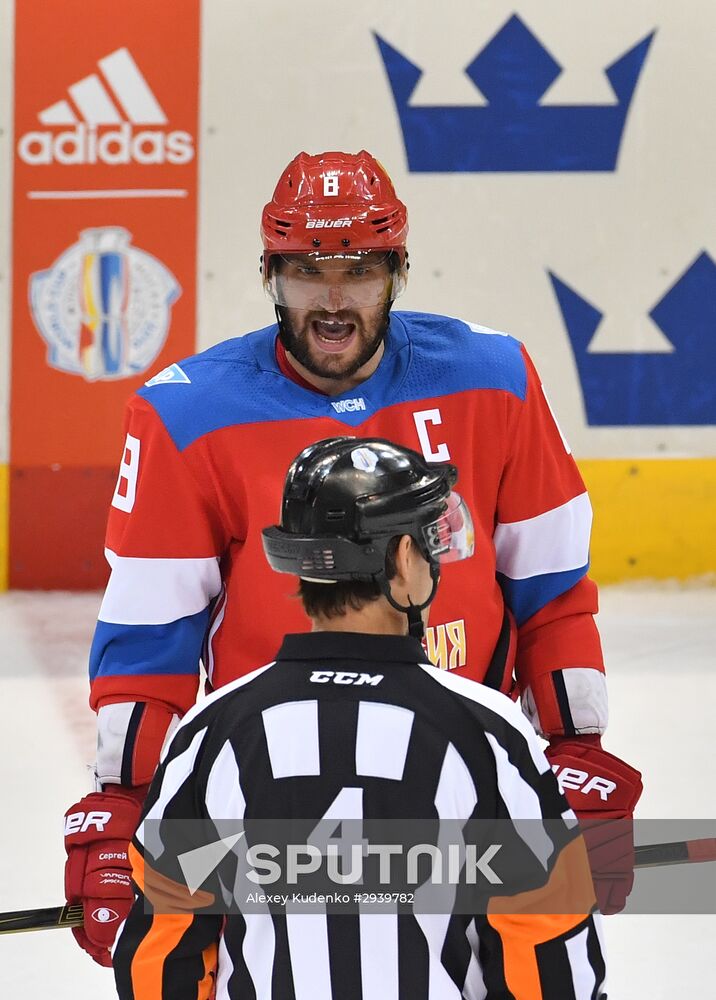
[(103, 308), (99, 122), (651, 388), (514, 130), (349, 405)]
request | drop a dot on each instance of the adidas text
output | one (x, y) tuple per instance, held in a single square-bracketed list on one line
[(349, 405), (114, 146)]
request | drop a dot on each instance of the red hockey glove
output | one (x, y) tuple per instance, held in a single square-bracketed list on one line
[(603, 791), (98, 829)]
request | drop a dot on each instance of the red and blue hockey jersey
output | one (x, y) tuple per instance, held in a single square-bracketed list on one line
[(208, 445)]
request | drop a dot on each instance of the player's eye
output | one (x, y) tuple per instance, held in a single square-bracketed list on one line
[(307, 269)]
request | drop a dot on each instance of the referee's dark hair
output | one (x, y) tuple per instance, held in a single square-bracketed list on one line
[(348, 503), (331, 600)]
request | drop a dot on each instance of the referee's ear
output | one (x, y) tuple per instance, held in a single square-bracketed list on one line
[(403, 561), (412, 573)]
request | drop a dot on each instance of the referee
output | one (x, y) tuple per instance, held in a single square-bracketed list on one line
[(350, 721)]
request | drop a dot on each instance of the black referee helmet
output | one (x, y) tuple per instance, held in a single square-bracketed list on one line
[(344, 499)]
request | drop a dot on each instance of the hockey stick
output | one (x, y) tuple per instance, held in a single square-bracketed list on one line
[(678, 852), (40, 920)]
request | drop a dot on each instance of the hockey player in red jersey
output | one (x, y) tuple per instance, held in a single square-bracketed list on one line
[(207, 444)]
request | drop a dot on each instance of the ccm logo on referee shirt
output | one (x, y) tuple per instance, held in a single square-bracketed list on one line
[(344, 677), (572, 777), (80, 822)]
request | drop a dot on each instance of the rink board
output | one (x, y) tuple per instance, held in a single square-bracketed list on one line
[(654, 518), (590, 240)]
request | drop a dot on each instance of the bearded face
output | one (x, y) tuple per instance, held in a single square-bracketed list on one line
[(333, 309)]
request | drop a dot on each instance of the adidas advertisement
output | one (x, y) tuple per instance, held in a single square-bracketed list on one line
[(117, 120), (104, 245)]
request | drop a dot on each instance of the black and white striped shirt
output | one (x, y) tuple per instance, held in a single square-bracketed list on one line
[(337, 718)]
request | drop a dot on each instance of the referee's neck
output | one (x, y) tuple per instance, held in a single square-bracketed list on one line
[(376, 618)]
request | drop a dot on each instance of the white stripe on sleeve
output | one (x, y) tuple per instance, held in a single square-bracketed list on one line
[(583, 976), (496, 702), (474, 988), (157, 591), (599, 928), (225, 803), (553, 542), (259, 949), (456, 795), (440, 984), (224, 971), (199, 707), (523, 804), (175, 774), (224, 797)]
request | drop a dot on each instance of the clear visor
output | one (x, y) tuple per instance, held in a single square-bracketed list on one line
[(452, 537), (330, 282)]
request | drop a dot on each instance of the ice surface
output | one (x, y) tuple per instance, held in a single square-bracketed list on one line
[(660, 648)]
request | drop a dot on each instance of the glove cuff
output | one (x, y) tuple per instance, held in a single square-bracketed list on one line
[(556, 743)]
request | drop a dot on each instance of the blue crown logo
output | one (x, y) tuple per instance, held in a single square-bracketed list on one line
[(651, 388), (513, 132)]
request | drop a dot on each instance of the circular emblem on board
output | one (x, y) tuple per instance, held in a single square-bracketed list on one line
[(103, 308)]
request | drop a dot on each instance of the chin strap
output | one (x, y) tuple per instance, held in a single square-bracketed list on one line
[(415, 619), (281, 329)]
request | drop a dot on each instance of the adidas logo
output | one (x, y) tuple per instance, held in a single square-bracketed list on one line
[(99, 122)]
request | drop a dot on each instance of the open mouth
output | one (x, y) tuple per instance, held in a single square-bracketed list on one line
[(333, 335)]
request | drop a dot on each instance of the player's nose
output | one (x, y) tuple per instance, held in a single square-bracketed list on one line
[(333, 297)]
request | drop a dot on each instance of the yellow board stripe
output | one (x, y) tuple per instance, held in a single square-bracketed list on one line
[(653, 518), (4, 525)]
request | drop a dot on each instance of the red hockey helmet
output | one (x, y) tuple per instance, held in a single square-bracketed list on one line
[(336, 207), (325, 200)]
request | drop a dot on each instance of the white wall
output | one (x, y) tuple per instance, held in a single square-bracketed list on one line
[(278, 78), (282, 77)]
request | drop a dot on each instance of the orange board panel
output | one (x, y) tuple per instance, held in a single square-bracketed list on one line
[(104, 220)]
